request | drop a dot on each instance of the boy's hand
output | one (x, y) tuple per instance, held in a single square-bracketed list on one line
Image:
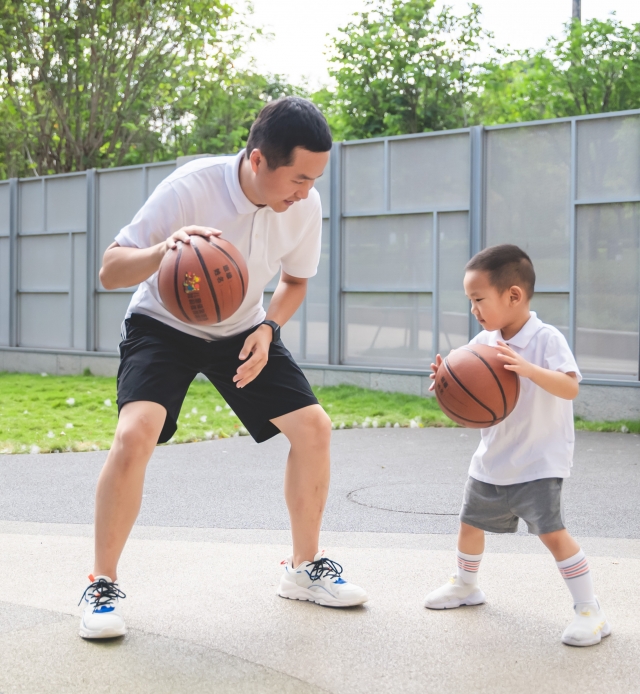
[(515, 362), (434, 368), (256, 347)]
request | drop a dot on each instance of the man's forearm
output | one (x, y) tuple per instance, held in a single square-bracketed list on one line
[(126, 267), (286, 300)]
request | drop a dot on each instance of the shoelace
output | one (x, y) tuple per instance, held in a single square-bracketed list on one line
[(324, 567), (102, 593)]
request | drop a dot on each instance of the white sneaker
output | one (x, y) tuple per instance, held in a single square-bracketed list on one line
[(101, 617), (454, 594), (589, 626), (319, 581)]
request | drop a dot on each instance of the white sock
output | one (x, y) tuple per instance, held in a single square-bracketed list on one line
[(468, 565), (577, 576)]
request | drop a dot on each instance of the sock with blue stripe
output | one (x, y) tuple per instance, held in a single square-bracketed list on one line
[(577, 576), (468, 565)]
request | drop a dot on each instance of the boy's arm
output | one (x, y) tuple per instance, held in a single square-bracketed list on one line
[(562, 385)]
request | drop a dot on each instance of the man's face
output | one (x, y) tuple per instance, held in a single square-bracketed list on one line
[(282, 187)]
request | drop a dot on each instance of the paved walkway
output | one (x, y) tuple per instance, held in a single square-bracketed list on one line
[(203, 562)]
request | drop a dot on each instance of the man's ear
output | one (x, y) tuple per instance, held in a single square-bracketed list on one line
[(516, 295), (257, 159)]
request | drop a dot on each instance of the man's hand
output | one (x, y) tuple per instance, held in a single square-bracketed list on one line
[(184, 234), (434, 368), (256, 351), (514, 361)]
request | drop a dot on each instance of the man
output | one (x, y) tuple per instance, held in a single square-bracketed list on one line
[(262, 201)]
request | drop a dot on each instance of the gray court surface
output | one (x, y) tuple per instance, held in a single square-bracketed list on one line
[(203, 562)]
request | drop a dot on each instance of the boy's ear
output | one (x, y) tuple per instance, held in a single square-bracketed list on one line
[(516, 295)]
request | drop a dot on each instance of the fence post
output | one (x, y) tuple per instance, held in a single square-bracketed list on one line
[(573, 246), (335, 253), (476, 206), (91, 260), (13, 261)]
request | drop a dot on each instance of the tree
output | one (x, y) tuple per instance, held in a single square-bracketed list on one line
[(593, 68), (401, 68), (87, 82)]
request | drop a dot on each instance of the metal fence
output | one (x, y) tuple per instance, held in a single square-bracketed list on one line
[(402, 215)]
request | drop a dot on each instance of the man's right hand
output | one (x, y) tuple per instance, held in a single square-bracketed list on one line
[(184, 234)]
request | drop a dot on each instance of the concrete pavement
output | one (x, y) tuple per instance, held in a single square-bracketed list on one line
[(202, 565)]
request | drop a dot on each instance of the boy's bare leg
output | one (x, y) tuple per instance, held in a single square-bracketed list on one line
[(306, 482), (470, 539), (560, 544), (119, 492)]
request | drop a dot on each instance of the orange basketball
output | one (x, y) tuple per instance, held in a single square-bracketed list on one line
[(474, 389), (204, 281)]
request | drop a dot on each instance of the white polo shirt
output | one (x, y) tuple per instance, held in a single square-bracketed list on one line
[(536, 440), (206, 192)]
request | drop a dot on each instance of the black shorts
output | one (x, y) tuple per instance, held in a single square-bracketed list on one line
[(158, 364)]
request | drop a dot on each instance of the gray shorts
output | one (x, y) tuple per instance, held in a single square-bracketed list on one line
[(496, 508)]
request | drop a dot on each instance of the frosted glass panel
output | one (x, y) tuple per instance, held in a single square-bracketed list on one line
[(390, 252), (453, 230), (157, 174), (528, 196), (323, 186), (79, 291), (609, 157), (112, 308), (31, 207), (44, 320), (44, 262), (430, 171), (553, 309), (608, 286), (364, 178), (120, 196), (4, 291), (318, 306), (4, 209), (388, 330), (66, 203)]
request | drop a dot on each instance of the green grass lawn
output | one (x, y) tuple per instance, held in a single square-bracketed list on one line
[(79, 413)]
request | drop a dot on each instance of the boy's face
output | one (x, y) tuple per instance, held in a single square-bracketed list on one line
[(282, 187), (493, 310)]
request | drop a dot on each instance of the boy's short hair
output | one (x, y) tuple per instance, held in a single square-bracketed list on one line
[(287, 123), (507, 265)]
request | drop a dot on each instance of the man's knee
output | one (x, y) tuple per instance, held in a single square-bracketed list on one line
[(138, 429), (313, 427)]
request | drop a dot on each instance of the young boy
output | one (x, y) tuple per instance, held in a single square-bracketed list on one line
[(263, 201), (519, 466)]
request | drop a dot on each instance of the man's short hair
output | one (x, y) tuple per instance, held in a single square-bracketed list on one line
[(287, 123), (507, 266)]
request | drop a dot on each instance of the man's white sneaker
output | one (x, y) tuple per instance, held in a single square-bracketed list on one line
[(589, 626), (455, 593), (319, 581), (101, 617)]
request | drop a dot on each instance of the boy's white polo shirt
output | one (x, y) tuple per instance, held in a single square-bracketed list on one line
[(536, 440), (206, 192)]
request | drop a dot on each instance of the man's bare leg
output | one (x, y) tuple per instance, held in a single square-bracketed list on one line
[(119, 492), (306, 482)]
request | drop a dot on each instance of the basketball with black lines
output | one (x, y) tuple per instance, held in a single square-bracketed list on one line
[(474, 389), (203, 282)]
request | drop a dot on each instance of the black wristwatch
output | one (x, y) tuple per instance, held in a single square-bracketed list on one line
[(275, 327)]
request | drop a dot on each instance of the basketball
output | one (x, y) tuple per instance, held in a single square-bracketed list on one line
[(204, 281), (474, 389)]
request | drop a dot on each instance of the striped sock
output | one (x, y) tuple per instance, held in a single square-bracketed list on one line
[(468, 565), (577, 576)]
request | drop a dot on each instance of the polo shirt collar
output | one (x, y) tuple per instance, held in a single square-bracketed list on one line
[(522, 338), (232, 178)]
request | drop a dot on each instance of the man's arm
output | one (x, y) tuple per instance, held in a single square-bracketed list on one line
[(123, 266), (286, 300)]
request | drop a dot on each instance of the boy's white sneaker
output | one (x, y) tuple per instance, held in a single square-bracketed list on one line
[(455, 593), (589, 626), (319, 581), (101, 616)]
